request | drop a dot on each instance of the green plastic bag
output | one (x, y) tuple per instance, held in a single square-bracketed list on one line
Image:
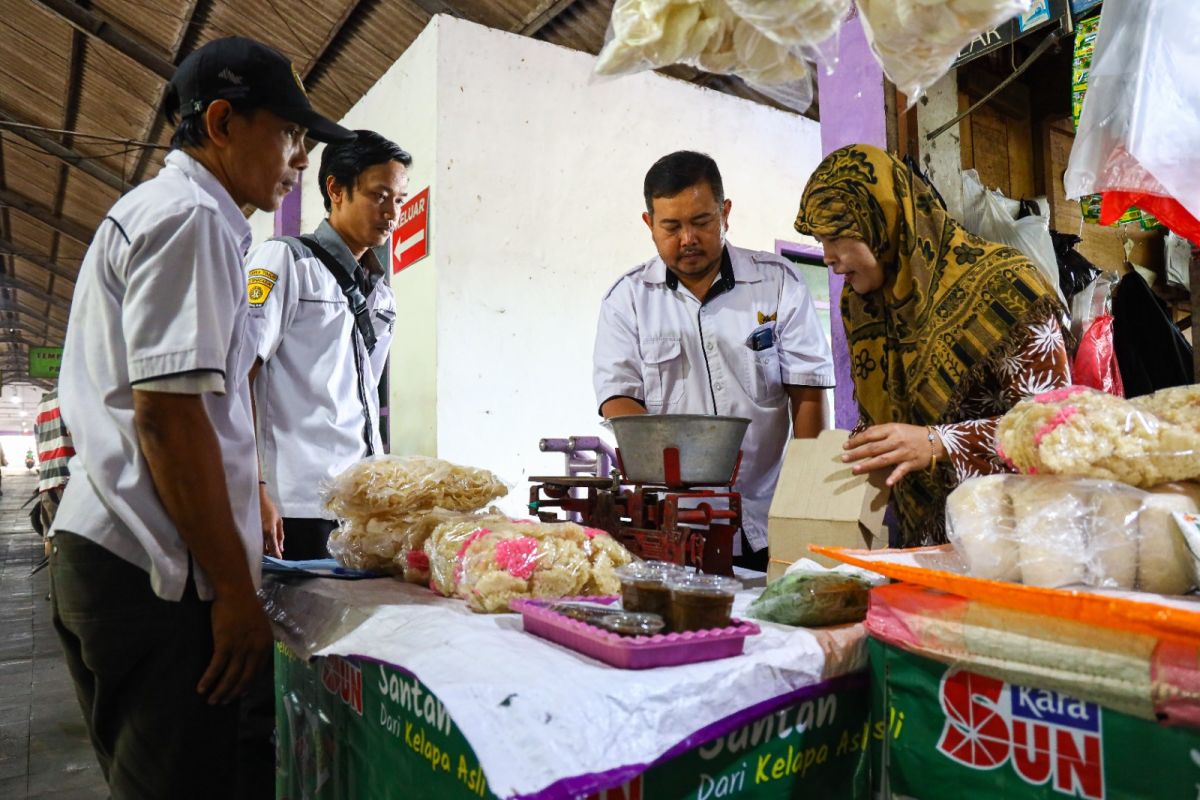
[(812, 599)]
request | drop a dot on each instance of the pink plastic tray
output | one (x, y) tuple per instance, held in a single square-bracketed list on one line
[(632, 652)]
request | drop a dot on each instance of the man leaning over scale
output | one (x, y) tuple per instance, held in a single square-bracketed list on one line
[(326, 316), (709, 328)]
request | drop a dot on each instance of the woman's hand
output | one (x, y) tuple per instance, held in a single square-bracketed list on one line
[(905, 447)]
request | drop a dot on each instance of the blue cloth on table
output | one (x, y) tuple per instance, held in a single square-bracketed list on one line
[(316, 568)]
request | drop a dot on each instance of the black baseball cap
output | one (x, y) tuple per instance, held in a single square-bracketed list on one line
[(239, 69)]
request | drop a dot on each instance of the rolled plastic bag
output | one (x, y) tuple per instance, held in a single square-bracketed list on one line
[(917, 41), (1138, 142)]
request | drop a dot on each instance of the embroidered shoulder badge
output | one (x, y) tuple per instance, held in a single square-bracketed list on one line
[(763, 319), (259, 286)]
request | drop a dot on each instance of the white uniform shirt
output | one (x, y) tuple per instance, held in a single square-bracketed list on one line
[(160, 294), (660, 345), (317, 392)]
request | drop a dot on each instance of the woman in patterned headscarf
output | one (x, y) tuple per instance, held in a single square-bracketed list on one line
[(946, 331)]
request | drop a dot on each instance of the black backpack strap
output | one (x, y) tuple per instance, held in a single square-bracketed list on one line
[(350, 288)]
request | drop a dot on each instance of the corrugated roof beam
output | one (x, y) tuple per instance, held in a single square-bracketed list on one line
[(112, 34), (37, 260), (541, 15), (46, 216), (66, 154)]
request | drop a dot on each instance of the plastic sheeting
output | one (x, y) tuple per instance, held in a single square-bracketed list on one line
[(1139, 133), (535, 712)]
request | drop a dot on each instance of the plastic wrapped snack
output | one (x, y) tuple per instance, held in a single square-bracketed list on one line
[(974, 510), (447, 543), (812, 599), (355, 548), (502, 565), (403, 485), (490, 561), (1087, 433), (1073, 532), (916, 41), (412, 556), (708, 35), (793, 23), (1178, 405), (387, 506), (1163, 559), (1050, 532), (606, 555)]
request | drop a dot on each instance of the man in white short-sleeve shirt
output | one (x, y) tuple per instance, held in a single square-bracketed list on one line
[(324, 318), (156, 551), (709, 328)]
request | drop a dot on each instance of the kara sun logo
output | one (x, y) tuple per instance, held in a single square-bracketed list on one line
[(1046, 736), (344, 679)]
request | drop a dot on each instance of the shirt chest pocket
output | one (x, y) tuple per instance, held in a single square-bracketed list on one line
[(321, 303), (664, 371), (763, 376)]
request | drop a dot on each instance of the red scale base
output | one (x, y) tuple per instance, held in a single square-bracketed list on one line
[(675, 523)]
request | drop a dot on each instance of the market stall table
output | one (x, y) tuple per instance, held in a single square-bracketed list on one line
[(997, 689), (385, 689)]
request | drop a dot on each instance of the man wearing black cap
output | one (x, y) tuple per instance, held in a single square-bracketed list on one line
[(157, 543)]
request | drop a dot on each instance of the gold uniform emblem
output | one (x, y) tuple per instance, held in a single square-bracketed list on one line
[(259, 285), (763, 319), (299, 82)]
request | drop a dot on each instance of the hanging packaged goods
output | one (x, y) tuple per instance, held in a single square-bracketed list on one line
[(770, 44), (767, 47)]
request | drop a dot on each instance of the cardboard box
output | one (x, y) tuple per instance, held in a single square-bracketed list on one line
[(820, 501)]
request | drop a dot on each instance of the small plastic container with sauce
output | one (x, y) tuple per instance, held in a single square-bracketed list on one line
[(628, 623), (701, 602), (644, 586)]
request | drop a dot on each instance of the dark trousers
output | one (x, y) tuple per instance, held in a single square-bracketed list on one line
[(135, 660), (303, 539), (751, 559), (306, 538)]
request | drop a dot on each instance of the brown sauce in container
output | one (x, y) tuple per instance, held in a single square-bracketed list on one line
[(701, 602)]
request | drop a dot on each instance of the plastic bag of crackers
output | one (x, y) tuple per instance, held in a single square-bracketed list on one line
[(491, 564), (388, 506)]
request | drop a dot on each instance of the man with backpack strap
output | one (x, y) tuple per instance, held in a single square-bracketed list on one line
[(324, 316)]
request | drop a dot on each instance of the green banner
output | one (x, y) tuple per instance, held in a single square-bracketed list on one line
[(355, 729), (950, 734), (44, 362)]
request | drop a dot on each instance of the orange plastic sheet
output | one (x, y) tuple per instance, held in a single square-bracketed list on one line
[(1165, 617), (1134, 673)]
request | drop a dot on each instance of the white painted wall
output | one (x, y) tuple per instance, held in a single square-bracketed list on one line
[(539, 211), (535, 172), (942, 158)]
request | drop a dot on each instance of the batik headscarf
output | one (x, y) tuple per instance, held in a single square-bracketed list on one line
[(951, 307)]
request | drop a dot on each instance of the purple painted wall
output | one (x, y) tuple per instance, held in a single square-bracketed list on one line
[(852, 112), (287, 216)]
